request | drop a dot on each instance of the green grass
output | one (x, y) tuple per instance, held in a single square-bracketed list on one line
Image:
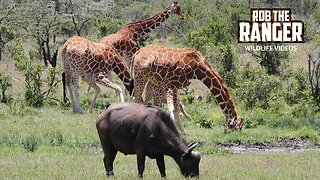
[(86, 163), (53, 143)]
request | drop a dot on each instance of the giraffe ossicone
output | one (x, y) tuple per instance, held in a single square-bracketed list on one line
[(170, 69)]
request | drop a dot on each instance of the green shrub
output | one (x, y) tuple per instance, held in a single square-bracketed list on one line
[(228, 69), (56, 139), (19, 107), (30, 143), (5, 84), (187, 99), (257, 89), (273, 61), (310, 133), (204, 121), (10, 140), (296, 91), (33, 71), (33, 83)]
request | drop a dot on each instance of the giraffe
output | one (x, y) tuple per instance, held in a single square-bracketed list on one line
[(149, 93), (92, 62), (127, 39), (170, 69)]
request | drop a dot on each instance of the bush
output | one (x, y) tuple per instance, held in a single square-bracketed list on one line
[(33, 71), (188, 99), (33, 82), (314, 77), (5, 84), (297, 90), (56, 139), (257, 88), (228, 69), (30, 143)]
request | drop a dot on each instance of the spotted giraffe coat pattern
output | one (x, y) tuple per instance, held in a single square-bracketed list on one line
[(93, 62), (170, 69)]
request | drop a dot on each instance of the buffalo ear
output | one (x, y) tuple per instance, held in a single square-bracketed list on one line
[(183, 157)]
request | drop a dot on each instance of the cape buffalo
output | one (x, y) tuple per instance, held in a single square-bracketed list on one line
[(145, 130)]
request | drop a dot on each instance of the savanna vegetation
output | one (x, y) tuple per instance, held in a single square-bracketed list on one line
[(277, 92)]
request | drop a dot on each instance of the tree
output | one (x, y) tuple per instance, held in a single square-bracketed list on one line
[(82, 12), (37, 90), (271, 60), (43, 24), (5, 84), (314, 77), (6, 31)]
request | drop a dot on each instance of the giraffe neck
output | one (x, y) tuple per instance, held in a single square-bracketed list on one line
[(219, 90), (142, 28), (121, 69)]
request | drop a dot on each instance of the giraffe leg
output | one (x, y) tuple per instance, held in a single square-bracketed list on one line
[(174, 109), (148, 91), (86, 79), (73, 90), (183, 111), (71, 97), (106, 82), (97, 92), (89, 87), (157, 94), (139, 88)]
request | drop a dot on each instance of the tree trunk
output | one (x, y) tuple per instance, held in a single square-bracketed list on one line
[(44, 54), (53, 60), (57, 6), (0, 51), (1, 46), (47, 48)]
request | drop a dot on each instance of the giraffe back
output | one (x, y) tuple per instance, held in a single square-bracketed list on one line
[(175, 66), (82, 56)]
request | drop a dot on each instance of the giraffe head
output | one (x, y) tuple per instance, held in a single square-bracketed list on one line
[(176, 9), (235, 124)]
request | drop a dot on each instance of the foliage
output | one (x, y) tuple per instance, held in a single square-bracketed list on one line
[(216, 33), (314, 77), (7, 32), (35, 95), (305, 7), (108, 25), (82, 13), (228, 69), (257, 89), (272, 61), (310, 27), (30, 143), (5, 84), (297, 90)]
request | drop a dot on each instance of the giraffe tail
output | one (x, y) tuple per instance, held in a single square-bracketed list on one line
[(64, 58), (131, 66)]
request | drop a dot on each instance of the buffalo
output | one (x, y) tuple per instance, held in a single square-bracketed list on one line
[(144, 130)]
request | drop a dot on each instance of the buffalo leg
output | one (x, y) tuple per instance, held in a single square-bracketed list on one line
[(141, 163), (161, 165), (110, 154)]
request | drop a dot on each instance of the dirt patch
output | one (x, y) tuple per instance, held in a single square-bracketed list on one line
[(282, 144)]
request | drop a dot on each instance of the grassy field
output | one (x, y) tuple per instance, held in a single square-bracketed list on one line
[(56, 144), (86, 163)]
